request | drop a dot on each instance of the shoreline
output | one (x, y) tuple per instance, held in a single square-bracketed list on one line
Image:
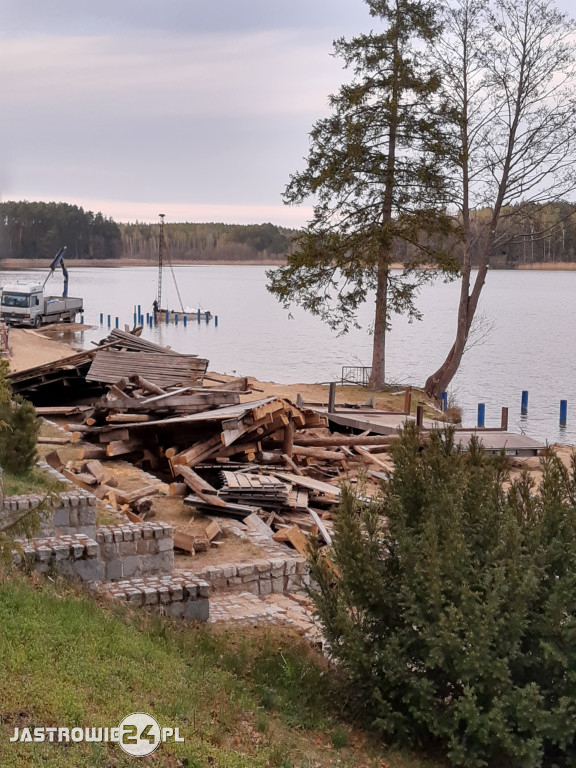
[(24, 264)]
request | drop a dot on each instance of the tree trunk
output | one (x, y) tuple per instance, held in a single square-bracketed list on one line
[(439, 381), (378, 378)]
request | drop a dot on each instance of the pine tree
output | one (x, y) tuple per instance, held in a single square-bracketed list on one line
[(375, 171)]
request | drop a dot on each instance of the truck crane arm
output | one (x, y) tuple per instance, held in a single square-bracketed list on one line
[(59, 261)]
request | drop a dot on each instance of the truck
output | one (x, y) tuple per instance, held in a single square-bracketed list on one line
[(28, 304)]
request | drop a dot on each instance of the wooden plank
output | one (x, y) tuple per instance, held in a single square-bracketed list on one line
[(371, 459), (184, 541), (121, 447), (203, 489), (213, 531), (321, 527), (128, 418), (95, 469), (45, 440), (53, 460), (310, 483), (316, 453), (258, 525), (127, 497), (298, 540), (198, 452)]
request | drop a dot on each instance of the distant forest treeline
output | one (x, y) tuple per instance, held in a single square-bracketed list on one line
[(529, 234), (38, 231)]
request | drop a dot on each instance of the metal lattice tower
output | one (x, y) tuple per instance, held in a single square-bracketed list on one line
[(160, 258)]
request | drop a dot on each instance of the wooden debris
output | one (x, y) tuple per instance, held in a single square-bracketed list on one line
[(184, 541), (213, 531)]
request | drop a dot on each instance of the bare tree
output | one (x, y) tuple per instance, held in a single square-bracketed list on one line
[(509, 74)]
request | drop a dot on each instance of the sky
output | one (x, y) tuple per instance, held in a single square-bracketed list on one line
[(197, 109)]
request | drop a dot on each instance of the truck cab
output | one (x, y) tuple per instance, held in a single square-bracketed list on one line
[(21, 304)]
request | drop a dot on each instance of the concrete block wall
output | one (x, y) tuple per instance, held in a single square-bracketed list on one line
[(73, 555), (181, 594), (73, 513), (277, 575), (136, 549)]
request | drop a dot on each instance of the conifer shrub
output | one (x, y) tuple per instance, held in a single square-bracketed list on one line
[(454, 608), (19, 428)]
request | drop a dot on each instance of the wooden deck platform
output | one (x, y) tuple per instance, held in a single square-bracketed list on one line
[(383, 423)]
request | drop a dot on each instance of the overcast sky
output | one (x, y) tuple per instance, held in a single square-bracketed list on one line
[(199, 109)]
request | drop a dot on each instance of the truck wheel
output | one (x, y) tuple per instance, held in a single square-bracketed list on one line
[(37, 321)]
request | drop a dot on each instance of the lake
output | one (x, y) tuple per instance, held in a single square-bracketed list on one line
[(527, 338)]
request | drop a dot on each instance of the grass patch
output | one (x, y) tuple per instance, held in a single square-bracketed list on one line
[(33, 481), (250, 699)]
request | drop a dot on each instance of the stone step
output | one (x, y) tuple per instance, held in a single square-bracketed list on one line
[(181, 594), (74, 555), (136, 549)]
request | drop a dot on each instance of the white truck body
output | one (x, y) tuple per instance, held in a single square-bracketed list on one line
[(22, 304)]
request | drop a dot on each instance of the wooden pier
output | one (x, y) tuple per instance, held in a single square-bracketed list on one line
[(386, 423)]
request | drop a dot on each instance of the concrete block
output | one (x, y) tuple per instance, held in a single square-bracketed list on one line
[(61, 517), (90, 570), (262, 566), (74, 517), (246, 569), (203, 589), (265, 586), (277, 586), (91, 548), (166, 561), (290, 567), (127, 548), (177, 593), (132, 566), (302, 565), (77, 550), (114, 570), (150, 596), (108, 551), (249, 577), (164, 595), (197, 610), (117, 535), (228, 571), (175, 609), (74, 500), (166, 544)]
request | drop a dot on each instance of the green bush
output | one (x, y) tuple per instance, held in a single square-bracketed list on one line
[(19, 428), (454, 612)]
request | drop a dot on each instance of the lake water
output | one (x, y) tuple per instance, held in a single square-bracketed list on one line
[(529, 317)]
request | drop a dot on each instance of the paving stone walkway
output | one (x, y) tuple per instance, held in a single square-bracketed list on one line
[(293, 610)]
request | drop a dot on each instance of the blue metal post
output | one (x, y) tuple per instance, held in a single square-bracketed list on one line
[(444, 401), (207, 318), (563, 412), (108, 321), (185, 319), (135, 319), (524, 406), (176, 318), (116, 322), (198, 315), (167, 317), (101, 318), (216, 320), (481, 414)]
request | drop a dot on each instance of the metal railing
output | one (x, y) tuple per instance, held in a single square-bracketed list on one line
[(356, 374)]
